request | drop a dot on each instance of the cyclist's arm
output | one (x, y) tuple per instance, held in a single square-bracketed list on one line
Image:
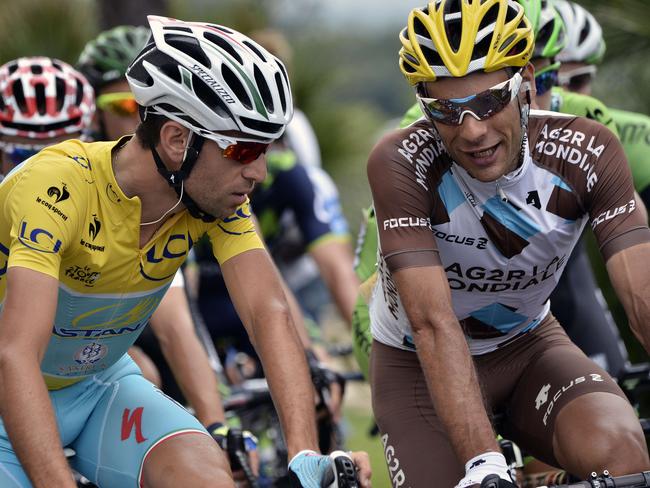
[(294, 307), (255, 288), (173, 326), (25, 406), (620, 226), (445, 358), (628, 272), (335, 262)]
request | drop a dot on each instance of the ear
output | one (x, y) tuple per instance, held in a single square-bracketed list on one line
[(173, 141)]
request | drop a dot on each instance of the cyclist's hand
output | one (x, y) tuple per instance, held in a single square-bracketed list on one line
[(219, 433), (480, 467), (308, 468), (362, 461), (329, 386)]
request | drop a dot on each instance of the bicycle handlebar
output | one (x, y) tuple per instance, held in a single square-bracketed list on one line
[(640, 480), (343, 473), (238, 457)]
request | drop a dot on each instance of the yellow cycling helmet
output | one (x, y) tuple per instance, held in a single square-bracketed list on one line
[(458, 37)]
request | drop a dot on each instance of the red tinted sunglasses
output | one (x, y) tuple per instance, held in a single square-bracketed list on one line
[(245, 152)]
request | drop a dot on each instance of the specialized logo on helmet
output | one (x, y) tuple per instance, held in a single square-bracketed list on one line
[(542, 396), (216, 86)]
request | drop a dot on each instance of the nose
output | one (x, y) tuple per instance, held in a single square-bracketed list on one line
[(255, 170), (472, 129)]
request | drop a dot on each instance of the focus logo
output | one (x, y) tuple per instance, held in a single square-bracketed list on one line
[(90, 353), (407, 222)]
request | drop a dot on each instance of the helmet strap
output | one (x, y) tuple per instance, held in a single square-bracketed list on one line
[(524, 112), (175, 179)]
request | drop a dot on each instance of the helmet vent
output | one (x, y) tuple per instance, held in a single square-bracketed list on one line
[(266, 127), (188, 45), (209, 98), (172, 71), (39, 91), (419, 28), (80, 92), (431, 55), (221, 28), (511, 14), (177, 29), (158, 59), (284, 73), (223, 45), (12, 68), (408, 68), (250, 46), (36, 69), (236, 86), (19, 96), (584, 32), (60, 94), (283, 100), (518, 48), (263, 87)]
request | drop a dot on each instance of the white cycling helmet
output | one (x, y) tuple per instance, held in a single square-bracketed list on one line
[(585, 43), (213, 80), (43, 98)]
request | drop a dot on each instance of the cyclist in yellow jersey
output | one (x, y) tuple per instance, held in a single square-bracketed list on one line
[(104, 61), (102, 211), (72, 117)]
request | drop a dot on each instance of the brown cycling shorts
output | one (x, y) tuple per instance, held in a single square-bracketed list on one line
[(527, 381)]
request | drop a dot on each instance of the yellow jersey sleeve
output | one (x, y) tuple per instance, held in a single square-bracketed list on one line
[(234, 234), (41, 214)]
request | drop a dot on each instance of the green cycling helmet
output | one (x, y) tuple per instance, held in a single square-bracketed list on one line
[(106, 58), (550, 32)]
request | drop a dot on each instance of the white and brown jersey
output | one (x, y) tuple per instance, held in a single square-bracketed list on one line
[(503, 244)]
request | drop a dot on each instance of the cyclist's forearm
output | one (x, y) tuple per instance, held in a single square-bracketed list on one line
[(632, 284), (286, 371), (29, 420), (453, 385)]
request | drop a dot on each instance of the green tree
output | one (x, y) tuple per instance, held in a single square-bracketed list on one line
[(56, 28)]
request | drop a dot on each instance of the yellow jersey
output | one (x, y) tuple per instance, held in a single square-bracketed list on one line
[(63, 214)]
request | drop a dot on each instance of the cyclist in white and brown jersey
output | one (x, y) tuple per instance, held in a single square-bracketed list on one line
[(478, 207)]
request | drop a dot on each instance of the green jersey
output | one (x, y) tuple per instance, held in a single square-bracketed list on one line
[(581, 105), (634, 131)]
